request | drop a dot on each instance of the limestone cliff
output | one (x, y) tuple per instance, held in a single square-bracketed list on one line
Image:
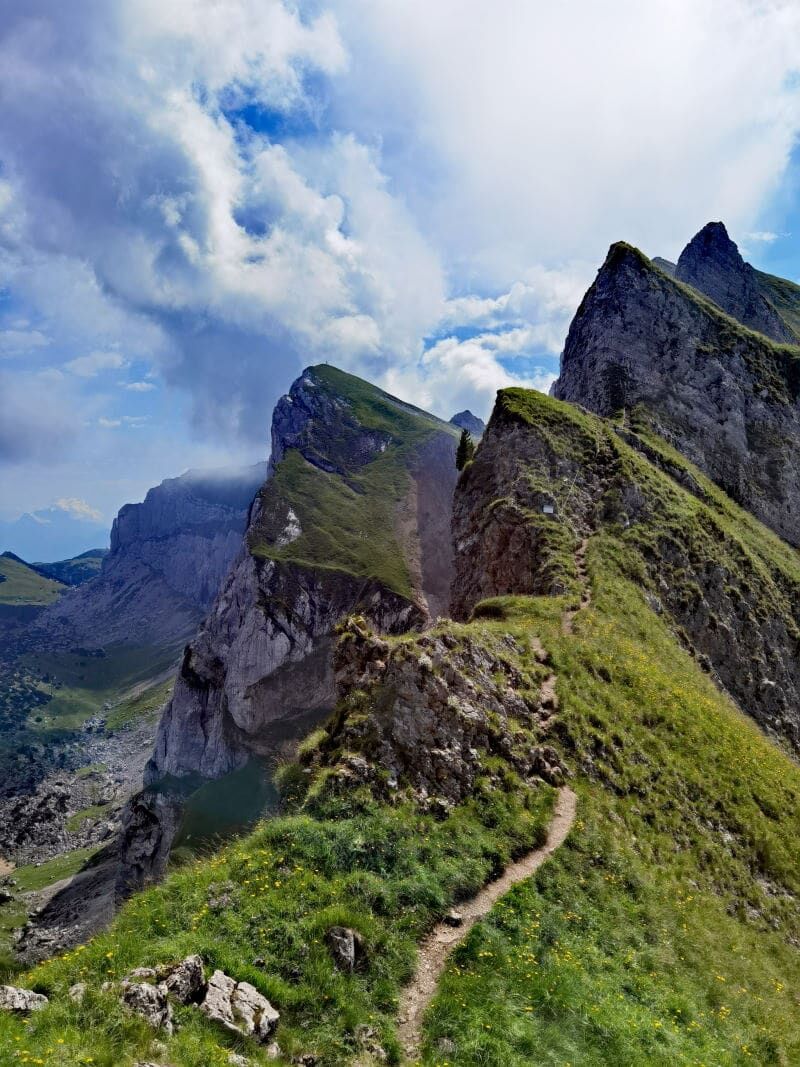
[(546, 476), (354, 515), (168, 557), (724, 395)]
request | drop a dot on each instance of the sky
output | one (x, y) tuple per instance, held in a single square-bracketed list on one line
[(198, 198)]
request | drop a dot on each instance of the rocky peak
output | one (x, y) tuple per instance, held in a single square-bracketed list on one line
[(465, 420), (724, 396), (354, 514), (712, 263)]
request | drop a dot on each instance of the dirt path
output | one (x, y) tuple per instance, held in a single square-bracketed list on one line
[(568, 621), (436, 948)]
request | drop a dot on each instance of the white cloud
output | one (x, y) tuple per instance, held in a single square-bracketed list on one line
[(138, 387), (542, 132), (91, 365), (19, 342), (460, 172), (78, 509)]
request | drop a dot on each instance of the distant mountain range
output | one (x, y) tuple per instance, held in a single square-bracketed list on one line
[(52, 533)]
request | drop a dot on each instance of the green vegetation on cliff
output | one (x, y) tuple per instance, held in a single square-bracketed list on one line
[(663, 932), (347, 485)]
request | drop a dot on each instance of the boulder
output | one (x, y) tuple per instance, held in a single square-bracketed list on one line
[(239, 1007), (21, 1001), (187, 981), (150, 1002), (347, 947), (77, 992)]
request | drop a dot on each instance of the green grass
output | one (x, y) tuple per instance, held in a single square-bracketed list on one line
[(348, 516), (784, 297), (344, 528), (88, 682), (661, 934), (143, 707), (64, 866), (94, 811), (90, 769), (20, 584), (387, 872)]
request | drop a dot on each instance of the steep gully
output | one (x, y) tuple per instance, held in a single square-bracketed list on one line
[(438, 946)]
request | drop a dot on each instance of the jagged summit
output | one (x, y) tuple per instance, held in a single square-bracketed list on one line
[(712, 263), (465, 420), (724, 395)]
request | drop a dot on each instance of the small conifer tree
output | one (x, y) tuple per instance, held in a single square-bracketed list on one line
[(465, 450)]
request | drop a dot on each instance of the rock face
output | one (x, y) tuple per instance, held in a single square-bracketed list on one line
[(711, 262), (425, 714), (738, 610), (465, 420), (353, 514), (723, 396), (168, 556)]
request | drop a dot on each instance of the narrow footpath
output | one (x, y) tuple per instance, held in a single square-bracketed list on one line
[(435, 950)]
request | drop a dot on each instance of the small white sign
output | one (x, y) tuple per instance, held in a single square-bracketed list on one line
[(549, 509)]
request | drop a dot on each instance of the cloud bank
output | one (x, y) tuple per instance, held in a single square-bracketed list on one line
[(210, 196)]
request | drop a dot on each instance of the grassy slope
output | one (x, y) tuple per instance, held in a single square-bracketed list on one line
[(784, 297), (88, 682), (661, 934), (387, 872), (22, 584), (77, 570), (349, 523)]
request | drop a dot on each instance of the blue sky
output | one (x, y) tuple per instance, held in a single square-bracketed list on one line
[(198, 199)]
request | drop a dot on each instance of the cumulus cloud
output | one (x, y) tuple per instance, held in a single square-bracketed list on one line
[(92, 364), (18, 342), (78, 509), (538, 132), (247, 187)]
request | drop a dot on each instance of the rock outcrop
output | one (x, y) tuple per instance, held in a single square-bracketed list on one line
[(546, 476), (723, 395), (711, 263), (424, 716), (353, 516)]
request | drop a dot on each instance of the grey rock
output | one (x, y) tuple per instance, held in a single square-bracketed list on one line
[(260, 668), (77, 992), (717, 618), (168, 556), (239, 1007), (465, 420), (347, 947), (711, 263), (241, 1061), (148, 1001), (186, 982), (21, 1001), (723, 396), (454, 918)]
